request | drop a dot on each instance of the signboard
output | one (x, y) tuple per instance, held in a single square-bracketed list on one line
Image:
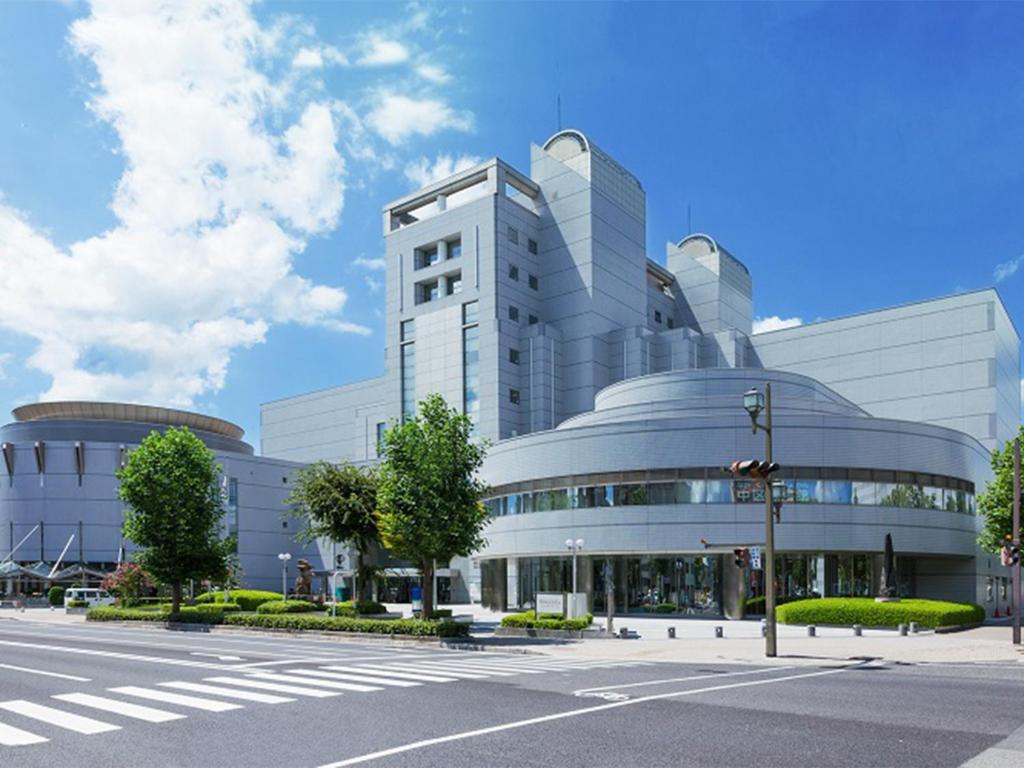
[(551, 602), (755, 558), (416, 593)]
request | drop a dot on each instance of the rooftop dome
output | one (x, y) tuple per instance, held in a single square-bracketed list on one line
[(80, 410)]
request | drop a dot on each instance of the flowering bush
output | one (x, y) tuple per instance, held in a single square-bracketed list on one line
[(127, 582)]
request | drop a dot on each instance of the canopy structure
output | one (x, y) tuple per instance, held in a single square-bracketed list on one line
[(41, 570)]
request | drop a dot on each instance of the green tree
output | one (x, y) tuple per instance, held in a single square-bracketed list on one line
[(171, 486), (338, 502), (995, 503), (428, 493)]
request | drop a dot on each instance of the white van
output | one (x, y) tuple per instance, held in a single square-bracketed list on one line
[(91, 595)]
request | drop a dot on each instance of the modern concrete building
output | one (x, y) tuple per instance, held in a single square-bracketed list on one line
[(58, 492), (610, 387)]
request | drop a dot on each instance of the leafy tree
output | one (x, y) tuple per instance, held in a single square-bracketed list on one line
[(428, 494), (171, 486), (995, 503), (127, 582), (338, 503)]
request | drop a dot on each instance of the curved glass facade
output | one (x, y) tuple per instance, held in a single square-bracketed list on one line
[(880, 488)]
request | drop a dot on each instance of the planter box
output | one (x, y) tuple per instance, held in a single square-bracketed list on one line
[(75, 610), (551, 634)]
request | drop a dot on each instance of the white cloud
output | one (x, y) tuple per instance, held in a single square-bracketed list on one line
[(433, 73), (380, 51), (422, 172), (373, 283), (5, 360), (377, 264), (1007, 268), (396, 117), (212, 208), (317, 57), (775, 323)]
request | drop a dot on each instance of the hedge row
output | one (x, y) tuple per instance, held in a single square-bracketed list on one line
[(755, 605), (288, 606), (249, 599), (413, 627), (354, 609), (210, 615), (867, 612), (527, 620)]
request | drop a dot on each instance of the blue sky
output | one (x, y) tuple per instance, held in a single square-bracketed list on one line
[(190, 201)]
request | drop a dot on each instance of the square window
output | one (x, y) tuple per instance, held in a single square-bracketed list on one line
[(470, 312), (533, 320), (534, 282), (531, 246), (408, 330), (454, 284), (657, 316), (671, 322), (513, 271), (513, 396), (454, 249), (513, 356), (513, 235), (513, 313)]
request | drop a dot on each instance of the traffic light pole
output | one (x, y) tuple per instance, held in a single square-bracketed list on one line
[(1015, 597), (769, 535)]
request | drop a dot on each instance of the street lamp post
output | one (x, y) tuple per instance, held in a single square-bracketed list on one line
[(574, 546), (754, 402), (284, 557)]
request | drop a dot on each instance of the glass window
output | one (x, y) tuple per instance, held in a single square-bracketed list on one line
[(381, 428), (657, 316), (470, 312), (407, 330), (513, 313), (513, 271), (865, 493), (513, 356), (671, 322), (534, 283), (531, 246), (932, 497), (426, 257), (901, 495), (454, 284), (533, 320), (663, 493), (583, 497), (718, 491), (471, 372), (427, 292), (513, 396), (513, 235), (604, 495), (835, 492), (629, 495), (513, 504), (408, 380), (454, 249)]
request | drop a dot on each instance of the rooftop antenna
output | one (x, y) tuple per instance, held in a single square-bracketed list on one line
[(559, 108)]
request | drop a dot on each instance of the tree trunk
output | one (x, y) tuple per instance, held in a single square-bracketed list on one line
[(427, 569), (175, 598)]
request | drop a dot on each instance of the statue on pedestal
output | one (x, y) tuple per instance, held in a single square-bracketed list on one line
[(304, 581)]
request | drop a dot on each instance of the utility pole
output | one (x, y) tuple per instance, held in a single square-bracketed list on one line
[(1015, 597), (769, 534)]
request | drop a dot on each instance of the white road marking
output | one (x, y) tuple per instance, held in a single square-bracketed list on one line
[(139, 712), (434, 669), (15, 737), (354, 678), (230, 693), (318, 693), (207, 705), (504, 669), (335, 684), (58, 717), (113, 655), (47, 674), (582, 691), (217, 656), (563, 715), (425, 678)]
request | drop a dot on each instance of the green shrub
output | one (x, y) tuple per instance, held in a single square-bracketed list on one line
[(55, 596), (110, 613), (755, 605), (526, 620), (287, 606), (865, 611), (411, 627), (442, 613), (78, 604), (248, 599), (665, 608), (360, 608)]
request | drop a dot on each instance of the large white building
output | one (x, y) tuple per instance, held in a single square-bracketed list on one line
[(609, 384)]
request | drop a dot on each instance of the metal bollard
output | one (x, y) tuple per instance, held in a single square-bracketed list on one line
[(858, 630), (764, 627), (812, 631), (903, 630), (913, 627), (719, 632), (671, 633)]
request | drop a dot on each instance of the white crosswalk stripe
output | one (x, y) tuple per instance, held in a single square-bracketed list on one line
[(436, 670), (228, 693), (425, 678), (138, 711), (498, 669), (355, 678), (263, 685), (58, 717), (15, 737), (208, 705), (334, 684)]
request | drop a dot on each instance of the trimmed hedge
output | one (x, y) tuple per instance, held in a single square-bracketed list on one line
[(55, 596), (288, 606), (248, 599), (755, 605), (360, 608), (526, 620), (78, 604), (865, 611), (189, 614), (413, 627)]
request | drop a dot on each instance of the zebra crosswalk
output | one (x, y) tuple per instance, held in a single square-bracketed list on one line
[(97, 712)]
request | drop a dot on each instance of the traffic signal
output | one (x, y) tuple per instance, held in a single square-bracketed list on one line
[(752, 468), (741, 557), (1010, 553)]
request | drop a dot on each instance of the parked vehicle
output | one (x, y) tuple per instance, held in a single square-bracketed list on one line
[(91, 595)]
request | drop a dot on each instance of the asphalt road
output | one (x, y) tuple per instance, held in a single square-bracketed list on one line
[(105, 696)]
